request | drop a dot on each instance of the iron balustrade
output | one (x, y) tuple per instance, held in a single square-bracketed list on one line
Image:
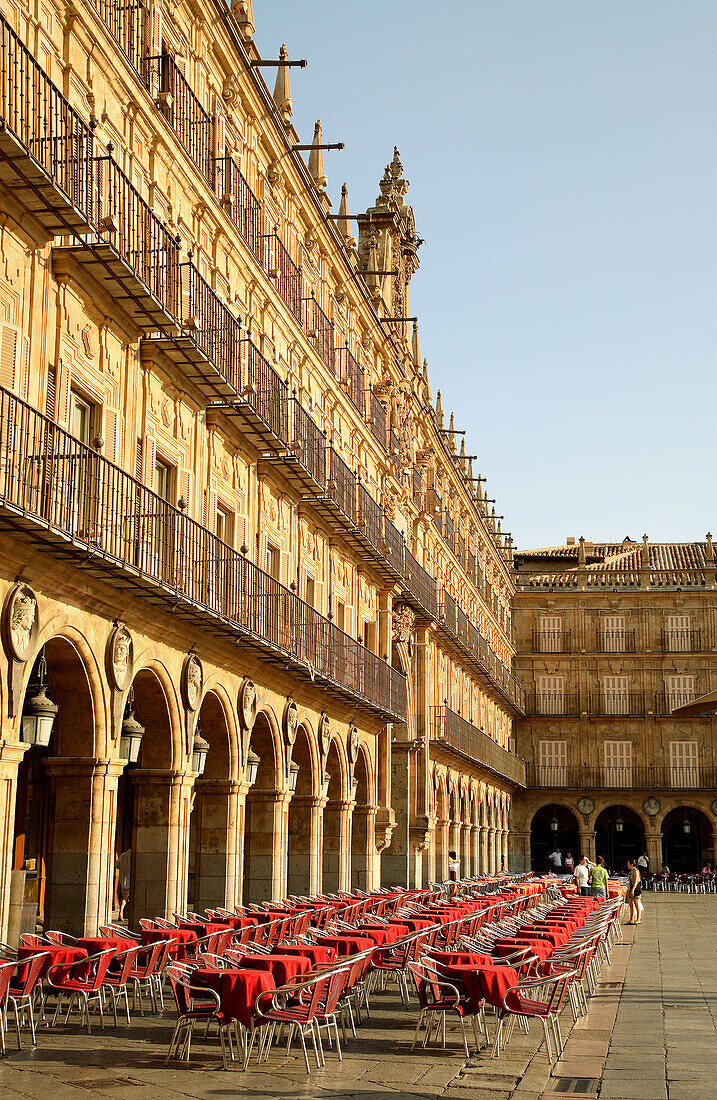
[(394, 544), (434, 506), (615, 641), (135, 232), (39, 117), (320, 332), (552, 641), (449, 532), (370, 518), (66, 492), (592, 578), (457, 623), (308, 442), (193, 127), (552, 704), (601, 777), (420, 584), (341, 485), (267, 393), (611, 703), (210, 324), (280, 267), (471, 566), (353, 379), (240, 202), (667, 701), (449, 612), (680, 641), (125, 20), (455, 733), (377, 420)]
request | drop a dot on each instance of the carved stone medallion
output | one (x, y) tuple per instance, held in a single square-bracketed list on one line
[(353, 744), (651, 806), (586, 806), (192, 682), (291, 721), (120, 658), (20, 623), (324, 733), (247, 704), (404, 621)]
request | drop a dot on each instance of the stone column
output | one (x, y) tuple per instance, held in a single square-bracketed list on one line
[(519, 858), (491, 850), (303, 867), (216, 817), (475, 849), (10, 756), (345, 807), (264, 844), (466, 868), (362, 826), (160, 844), (503, 854), (587, 844), (653, 842), (483, 848)]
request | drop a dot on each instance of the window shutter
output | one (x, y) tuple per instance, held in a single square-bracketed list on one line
[(684, 764), (138, 461), (616, 697), (678, 633), (13, 352), (241, 536), (319, 598), (680, 690), (613, 633), (210, 510), (51, 394), (114, 436), (551, 634), (550, 695), (149, 456), (185, 489), (618, 763)]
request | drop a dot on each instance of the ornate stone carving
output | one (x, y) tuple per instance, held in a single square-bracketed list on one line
[(353, 744), (247, 704), (192, 682), (120, 658), (404, 622), (324, 733), (291, 721), (651, 806), (384, 826), (20, 622)]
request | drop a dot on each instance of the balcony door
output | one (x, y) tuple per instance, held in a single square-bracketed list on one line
[(684, 764), (553, 763), (79, 468), (618, 764), (550, 634), (615, 695), (613, 633), (551, 698), (679, 691), (677, 633)]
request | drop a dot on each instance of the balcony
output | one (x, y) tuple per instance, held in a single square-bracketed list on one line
[(46, 150), (172, 95), (208, 346), (338, 504), (420, 587), (668, 701), (303, 463), (283, 272), (465, 638), (376, 421), (134, 261), (240, 203), (261, 409), (615, 704), (126, 23), (552, 704), (353, 379), (320, 332), (551, 641), (681, 641), (467, 741), (394, 546), (615, 641), (57, 491), (651, 777)]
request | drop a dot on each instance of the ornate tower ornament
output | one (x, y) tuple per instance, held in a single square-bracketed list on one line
[(247, 704), (282, 91), (291, 721), (119, 661), (20, 628)]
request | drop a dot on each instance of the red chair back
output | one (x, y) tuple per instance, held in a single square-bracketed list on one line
[(29, 974), (6, 972)]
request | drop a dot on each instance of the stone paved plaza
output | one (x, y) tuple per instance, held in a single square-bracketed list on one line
[(650, 1034)]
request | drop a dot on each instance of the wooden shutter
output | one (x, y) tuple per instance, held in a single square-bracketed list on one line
[(680, 690), (684, 764), (138, 460), (185, 489), (616, 697), (551, 634), (13, 358), (613, 633), (113, 432), (677, 631), (63, 406), (51, 393), (550, 695), (211, 501), (618, 763), (149, 457), (553, 762)]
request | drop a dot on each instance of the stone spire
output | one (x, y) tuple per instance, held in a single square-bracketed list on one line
[(469, 474), (244, 17), (426, 383), (316, 159), (709, 550), (452, 436), (282, 91), (343, 224), (645, 552), (462, 453), (439, 410), (416, 348), (581, 551)]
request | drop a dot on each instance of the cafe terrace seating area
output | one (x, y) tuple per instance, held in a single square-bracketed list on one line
[(473, 958)]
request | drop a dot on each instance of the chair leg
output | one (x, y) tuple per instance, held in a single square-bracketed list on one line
[(465, 1037)]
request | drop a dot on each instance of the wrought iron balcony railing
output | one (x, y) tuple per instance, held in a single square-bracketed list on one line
[(607, 704), (54, 487), (420, 585), (46, 150), (210, 327), (644, 777), (320, 332), (172, 94), (353, 379), (665, 702), (552, 641), (282, 270), (126, 23), (377, 420), (342, 486), (240, 203), (615, 641), (552, 704), (454, 733), (681, 641), (459, 629)]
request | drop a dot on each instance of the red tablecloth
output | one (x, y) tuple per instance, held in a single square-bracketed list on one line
[(281, 967), (238, 923), (413, 924), (541, 948), (463, 957), (179, 951), (202, 929), (318, 956), (55, 955), (238, 990), (94, 944), (347, 945), (380, 933), (489, 982)]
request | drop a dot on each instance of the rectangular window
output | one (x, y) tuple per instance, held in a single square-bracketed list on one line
[(613, 633), (618, 764), (224, 526), (81, 418), (550, 697), (677, 633), (553, 763), (615, 695), (679, 690), (310, 591), (340, 615), (684, 764), (162, 479), (272, 565), (550, 634)]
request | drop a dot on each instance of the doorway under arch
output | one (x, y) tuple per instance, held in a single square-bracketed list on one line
[(552, 827), (302, 840), (686, 840), (619, 836), (262, 817), (211, 849)]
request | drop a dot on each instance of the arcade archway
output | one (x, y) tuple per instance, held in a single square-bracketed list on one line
[(302, 862), (619, 836), (262, 818), (552, 827), (686, 839)]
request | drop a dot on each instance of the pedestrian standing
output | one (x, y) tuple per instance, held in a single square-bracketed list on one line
[(454, 867), (634, 892), (124, 869), (569, 863), (580, 877), (557, 861), (598, 879)]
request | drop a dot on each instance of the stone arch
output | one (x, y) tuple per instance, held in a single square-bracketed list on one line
[(687, 850), (619, 835), (60, 810), (264, 817), (336, 820), (543, 838), (304, 837)]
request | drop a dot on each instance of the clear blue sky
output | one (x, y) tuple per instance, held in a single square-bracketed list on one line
[(563, 164)]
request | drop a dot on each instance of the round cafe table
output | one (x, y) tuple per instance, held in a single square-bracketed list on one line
[(94, 944), (55, 955), (238, 990), (347, 945), (283, 968), (317, 955), (180, 950), (485, 983)]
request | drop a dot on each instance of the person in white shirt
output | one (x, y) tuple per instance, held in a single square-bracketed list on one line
[(454, 867), (580, 877), (557, 861), (643, 863)]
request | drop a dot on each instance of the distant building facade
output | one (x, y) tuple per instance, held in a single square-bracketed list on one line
[(241, 556), (611, 639)]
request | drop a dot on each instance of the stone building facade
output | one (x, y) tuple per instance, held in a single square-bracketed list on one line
[(232, 515), (612, 638)]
